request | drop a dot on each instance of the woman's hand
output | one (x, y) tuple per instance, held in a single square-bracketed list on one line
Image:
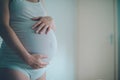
[(35, 61), (43, 25)]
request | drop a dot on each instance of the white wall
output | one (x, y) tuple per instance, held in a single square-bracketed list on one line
[(96, 40), (65, 15)]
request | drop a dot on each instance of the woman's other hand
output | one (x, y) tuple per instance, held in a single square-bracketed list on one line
[(43, 25), (35, 61)]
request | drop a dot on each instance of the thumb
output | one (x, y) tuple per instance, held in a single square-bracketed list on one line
[(43, 56), (36, 18)]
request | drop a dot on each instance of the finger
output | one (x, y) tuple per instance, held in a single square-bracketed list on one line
[(43, 30), (40, 65), (47, 30), (43, 56), (36, 18), (44, 63), (39, 56), (34, 66), (40, 27), (36, 24), (37, 67)]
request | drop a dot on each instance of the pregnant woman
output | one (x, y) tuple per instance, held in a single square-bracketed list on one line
[(29, 42)]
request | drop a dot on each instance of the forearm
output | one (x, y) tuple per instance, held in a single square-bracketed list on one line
[(13, 41)]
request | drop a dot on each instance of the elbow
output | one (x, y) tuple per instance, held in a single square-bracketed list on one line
[(3, 28), (4, 24)]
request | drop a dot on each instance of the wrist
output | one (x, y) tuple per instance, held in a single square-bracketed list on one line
[(25, 56), (49, 18)]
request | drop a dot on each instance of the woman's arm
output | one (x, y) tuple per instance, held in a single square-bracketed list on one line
[(11, 39), (7, 32), (44, 23)]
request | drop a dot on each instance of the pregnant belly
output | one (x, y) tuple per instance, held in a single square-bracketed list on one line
[(36, 43)]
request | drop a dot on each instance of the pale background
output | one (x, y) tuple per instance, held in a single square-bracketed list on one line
[(87, 40), (65, 14)]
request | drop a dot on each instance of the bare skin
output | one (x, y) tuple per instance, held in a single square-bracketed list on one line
[(15, 75), (43, 24), (11, 39), (9, 74)]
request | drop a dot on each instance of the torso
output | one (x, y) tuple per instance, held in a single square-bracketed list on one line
[(21, 12)]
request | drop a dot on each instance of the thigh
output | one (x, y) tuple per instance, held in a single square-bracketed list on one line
[(43, 77), (10, 74)]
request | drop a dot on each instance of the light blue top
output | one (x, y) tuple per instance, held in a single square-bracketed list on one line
[(21, 12)]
